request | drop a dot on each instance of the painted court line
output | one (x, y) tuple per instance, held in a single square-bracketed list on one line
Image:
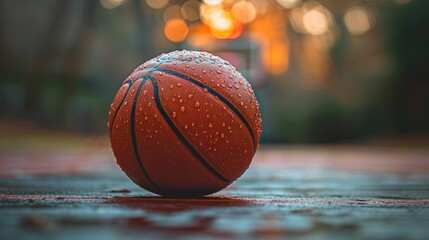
[(214, 200)]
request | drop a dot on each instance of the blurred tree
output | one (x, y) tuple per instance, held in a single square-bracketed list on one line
[(3, 55), (46, 53), (144, 30), (76, 55), (52, 48), (62, 61), (408, 42)]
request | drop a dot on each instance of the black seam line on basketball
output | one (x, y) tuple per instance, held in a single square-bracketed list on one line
[(133, 132), (213, 92), (133, 110), (180, 135), (161, 61), (130, 83)]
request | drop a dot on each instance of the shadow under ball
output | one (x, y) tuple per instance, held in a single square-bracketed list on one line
[(184, 123)]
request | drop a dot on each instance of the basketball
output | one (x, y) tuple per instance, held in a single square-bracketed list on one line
[(186, 123)]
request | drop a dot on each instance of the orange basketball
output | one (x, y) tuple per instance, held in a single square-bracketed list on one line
[(184, 123)]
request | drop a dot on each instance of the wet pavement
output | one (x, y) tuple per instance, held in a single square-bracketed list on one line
[(74, 190)]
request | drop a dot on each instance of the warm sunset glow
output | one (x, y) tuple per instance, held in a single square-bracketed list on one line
[(277, 56), (176, 30), (261, 6), (267, 31), (200, 37)]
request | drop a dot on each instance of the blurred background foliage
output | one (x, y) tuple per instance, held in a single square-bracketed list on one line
[(324, 71)]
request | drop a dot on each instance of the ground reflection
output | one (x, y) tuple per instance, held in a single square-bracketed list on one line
[(209, 216)]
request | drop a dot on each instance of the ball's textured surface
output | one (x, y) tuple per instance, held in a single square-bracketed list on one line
[(184, 123)]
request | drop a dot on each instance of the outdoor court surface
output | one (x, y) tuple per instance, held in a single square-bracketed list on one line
[(67, 186)]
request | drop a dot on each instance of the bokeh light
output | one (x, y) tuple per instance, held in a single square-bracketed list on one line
[(213, 2), (244, 11), (312, 18), (171, 12), (269, 31), (293, 51), (315, 22), (224, 26), (295, 17), (262, 7), (157, 4), (111, 4), (176, 30), (358, 20), (207, 12), (191, 10), (289, 3)]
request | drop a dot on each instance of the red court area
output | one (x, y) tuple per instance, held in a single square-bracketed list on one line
[(56, 185)]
